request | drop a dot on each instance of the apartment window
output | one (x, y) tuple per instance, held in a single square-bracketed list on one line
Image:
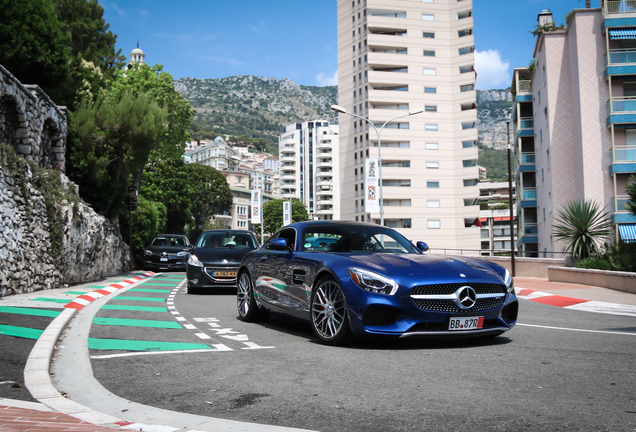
[(392, 88), (434, 224), (430, 108), (428, 35), (398, 223), (427, 1), (397, 182), (396, 164), (470, 182), (430, 90), (429, 53), (428, 17), (432, 165), (466, 50), (467, 87), (432, 203), (464, 14), (468, 144), (431, 126), (397, 202), (433, 184), (469, 163), (466, 69), (394, 144), (432, 146), (469, 125), (465, 32), (399, 125), (387, 13)]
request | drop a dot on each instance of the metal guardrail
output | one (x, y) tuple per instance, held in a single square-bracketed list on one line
[(499, 252)]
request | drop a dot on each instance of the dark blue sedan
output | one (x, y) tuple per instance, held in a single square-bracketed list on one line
[(366, 279)]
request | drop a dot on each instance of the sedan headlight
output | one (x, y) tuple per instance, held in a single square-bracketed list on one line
[(194, 261), (510, 286), (147, 252), (373, 282)]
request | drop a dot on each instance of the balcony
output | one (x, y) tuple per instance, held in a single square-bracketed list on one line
[(616, 8), (622, 110), (623, 160)]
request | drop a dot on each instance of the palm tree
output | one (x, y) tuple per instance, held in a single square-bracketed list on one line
[(583, 227), (631, 192)]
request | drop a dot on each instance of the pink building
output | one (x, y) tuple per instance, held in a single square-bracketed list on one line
[(574, 116)]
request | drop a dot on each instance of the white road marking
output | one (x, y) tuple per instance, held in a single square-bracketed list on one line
[(578, 330)]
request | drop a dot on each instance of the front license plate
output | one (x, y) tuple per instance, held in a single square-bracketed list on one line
[(163, 259), (466, 323), (225, 273)]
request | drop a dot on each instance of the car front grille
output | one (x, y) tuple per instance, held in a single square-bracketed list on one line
[(493, 301)]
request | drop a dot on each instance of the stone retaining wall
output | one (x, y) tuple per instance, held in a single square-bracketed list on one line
[(91, 246)]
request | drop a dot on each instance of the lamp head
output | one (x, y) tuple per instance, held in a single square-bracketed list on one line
[(416, 111), (338, 108)]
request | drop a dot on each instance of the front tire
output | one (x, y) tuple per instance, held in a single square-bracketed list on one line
[(329, 320), (246, 304)]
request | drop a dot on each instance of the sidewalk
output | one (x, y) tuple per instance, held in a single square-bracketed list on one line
[(20, 416)]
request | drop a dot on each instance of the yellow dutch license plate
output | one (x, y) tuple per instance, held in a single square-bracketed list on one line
[(225, 273)]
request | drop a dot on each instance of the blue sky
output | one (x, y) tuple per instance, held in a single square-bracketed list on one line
[(297, 39)]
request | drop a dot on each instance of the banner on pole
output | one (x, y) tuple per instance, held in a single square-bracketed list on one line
[(286, 213), (371, 186), (256, 206)]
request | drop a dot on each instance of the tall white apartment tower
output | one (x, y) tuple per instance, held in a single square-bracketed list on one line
[(309, 167), (396, 57)]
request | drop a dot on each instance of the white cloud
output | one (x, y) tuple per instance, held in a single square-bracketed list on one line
[(492, 71), (325, 80)]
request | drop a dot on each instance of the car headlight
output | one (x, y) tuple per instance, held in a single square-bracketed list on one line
[(194, 261), (147, 252), (510, 286), (373, 282), (182, 254)]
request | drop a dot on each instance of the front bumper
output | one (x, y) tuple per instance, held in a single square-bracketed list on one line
[(207, 277), (170, 264), (400, 317)]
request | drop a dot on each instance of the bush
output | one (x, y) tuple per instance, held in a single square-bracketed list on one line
[(596, 263)]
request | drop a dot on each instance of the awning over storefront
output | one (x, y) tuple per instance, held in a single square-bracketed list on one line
[(624, 33), (628, 232), (495, 219)]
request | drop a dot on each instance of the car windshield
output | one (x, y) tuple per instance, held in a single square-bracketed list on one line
[(355, 238), (226, 239), (176, 241)]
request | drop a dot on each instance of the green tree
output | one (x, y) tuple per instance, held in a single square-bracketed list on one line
[(273, 214), (167, 182), (157, 84), (583, 227), (209, 194), (94, 58), (34, 46), (631, 192), (115, 133)]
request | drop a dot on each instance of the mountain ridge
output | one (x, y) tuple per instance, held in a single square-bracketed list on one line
[(261, 108)]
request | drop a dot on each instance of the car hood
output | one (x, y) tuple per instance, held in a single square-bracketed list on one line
[(437, 266), (220, 256)]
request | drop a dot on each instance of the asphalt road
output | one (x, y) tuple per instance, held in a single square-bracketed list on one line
[(558, 370)]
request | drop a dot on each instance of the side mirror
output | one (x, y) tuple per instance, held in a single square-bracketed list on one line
[(277, 244), (422, 246)]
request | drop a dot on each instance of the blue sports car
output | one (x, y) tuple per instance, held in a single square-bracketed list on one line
[(364, 279)]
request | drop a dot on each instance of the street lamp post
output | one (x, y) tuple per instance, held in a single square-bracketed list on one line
[(378, 131), (512, 224)]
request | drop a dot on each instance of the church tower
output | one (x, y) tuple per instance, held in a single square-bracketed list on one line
[(136, 56)]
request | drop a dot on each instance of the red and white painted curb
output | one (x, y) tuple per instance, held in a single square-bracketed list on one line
[(574, 303), (88, 298)]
